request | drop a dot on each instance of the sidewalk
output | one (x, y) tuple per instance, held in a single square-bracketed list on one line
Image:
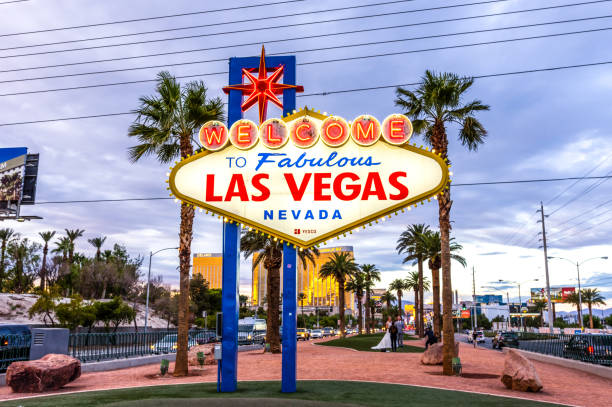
[(481, 371)]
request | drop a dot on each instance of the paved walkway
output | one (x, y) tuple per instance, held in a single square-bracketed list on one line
[(481, 368)]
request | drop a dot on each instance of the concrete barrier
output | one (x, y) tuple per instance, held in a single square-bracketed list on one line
[(598, 370)]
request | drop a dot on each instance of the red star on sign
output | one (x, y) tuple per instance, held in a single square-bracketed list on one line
[(262, 89)]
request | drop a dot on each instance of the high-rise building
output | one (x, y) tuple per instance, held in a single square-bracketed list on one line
[(319, 292), (209, 266)]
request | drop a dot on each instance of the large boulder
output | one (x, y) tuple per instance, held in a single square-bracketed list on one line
[(434, 354), (519, 373), (51, 372), (209, 357)]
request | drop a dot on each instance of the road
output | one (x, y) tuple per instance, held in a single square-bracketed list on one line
[(488, 344)]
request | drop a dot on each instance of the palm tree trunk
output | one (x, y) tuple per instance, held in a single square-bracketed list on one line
[(2, 258), (440, 143), (272, 333), (421, 310), (341, 307), (399, 303), (435, 288), (367, 311), (43, 269), (416, 311), (590, 315), (360, 322), (181, 367)]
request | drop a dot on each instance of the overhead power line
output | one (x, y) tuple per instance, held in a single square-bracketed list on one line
[(320, 61), (549, 69), (133, 20), (395, 13), (581, 194), (282, 40), (168, 198), (13, 1), (583, 213), (305, 50)]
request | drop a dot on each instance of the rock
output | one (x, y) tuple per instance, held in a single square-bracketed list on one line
[(519, 373), (209, 357), (51, 372), (434, 354)]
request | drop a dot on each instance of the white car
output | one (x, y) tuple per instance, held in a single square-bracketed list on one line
[(316, 333), (168, 344), (480, 338)]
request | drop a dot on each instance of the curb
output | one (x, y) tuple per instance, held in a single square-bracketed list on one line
[(597, 370)]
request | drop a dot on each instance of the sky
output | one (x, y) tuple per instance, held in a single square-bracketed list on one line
[(551, 124)]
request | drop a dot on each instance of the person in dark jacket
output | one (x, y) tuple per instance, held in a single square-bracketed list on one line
[(431, 337)]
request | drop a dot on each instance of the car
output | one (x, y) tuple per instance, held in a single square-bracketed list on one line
[(316, 333), (15, 343), (480, 338), (303, 334), (507, 338), (328, 331), (167, 344), (202, 338), (593, 348), (249, 334)]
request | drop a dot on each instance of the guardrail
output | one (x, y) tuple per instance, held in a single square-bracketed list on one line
[(589, 348), (95, 347), (13, 348)]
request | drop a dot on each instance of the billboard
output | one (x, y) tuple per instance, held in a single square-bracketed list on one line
[(522, 310), (12, 168), (308, 177), (557, 294), (461, 313)]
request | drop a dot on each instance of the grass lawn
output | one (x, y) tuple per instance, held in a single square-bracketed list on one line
[(253, 394), (365, 343)]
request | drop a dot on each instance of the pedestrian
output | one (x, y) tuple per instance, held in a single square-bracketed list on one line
[(399, 324), (385, 342), (393, 331), (431, 337), (474, 337)]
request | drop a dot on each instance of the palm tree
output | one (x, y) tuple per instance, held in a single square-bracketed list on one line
[(412, 283), (357, 285), (399, 285), (370, 276), (409, 243), (165, 127), (592, 297), (340, 267), (301, 297), (97, 242), (574, 299), (540, 304), (387, 297), (46, 237), (438, 101), (431, 244), (72, 235), (6, 236), (269, 250)]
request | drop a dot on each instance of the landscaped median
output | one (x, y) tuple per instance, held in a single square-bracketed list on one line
[(365, 342), (327, 393)]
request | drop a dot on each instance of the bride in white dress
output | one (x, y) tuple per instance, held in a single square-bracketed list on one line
[(385, 342)]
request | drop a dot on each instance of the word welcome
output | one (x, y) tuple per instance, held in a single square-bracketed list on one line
[(305, 132)]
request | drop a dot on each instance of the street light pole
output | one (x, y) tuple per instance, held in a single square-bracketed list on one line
[(151, 254)]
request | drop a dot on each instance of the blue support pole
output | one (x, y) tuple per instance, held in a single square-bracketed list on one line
[(289, 371), (230, 299)]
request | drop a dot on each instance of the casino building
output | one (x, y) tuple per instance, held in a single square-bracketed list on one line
[(319, 292), (209, 265)]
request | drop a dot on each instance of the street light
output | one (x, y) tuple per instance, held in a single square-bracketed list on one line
[(151, 254), (578, 264)]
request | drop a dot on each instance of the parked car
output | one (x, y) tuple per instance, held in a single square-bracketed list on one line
[(202, 338), (14, 344), (316, 333), (167, 344), (249, 333), (593, 348), (303, 334), (328, 331), (480, 338), (508, 339)]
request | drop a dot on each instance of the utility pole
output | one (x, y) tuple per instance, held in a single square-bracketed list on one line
[(550, 316)]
